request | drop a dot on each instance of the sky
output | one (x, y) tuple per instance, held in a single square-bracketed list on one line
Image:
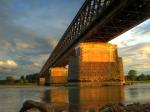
[(30, 29)]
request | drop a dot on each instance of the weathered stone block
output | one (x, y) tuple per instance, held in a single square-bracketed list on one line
[(58, 75), (97, 62), (41, 81)]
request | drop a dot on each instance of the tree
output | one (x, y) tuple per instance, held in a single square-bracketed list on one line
[(10, 79), (142, 77), (22, 78), (132, 74), (148, 77), (32, 78)]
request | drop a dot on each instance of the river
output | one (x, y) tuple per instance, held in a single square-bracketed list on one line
[(73, 98)]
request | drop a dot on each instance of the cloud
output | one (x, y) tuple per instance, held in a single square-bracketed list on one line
[(141, 66), (5, 48), (128, 61), (134, 47), (52, 42), (136, 57), (28, 55), (8, 64), (138, 34), (20, 44), (145, 51), (36, 65), (30, 30), (141, 49)]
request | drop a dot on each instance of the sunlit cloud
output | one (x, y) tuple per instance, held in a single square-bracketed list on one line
[(136, 57), (145, 51), (141, 66), (36, 65), (20, 44), (52, 42), (134, 47), (139, 34), (8, 64)]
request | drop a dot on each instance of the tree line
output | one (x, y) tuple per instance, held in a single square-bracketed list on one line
[(31, 78), (132, 76)]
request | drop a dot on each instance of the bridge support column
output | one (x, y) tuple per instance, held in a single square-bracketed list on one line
[(96, 62), (58, 75), (120, 62), (41, 80), (73, 71)]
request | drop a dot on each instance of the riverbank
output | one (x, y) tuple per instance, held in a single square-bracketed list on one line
[(134, 82), (69, 84), (18, 86), (135, 107), (44, 107)]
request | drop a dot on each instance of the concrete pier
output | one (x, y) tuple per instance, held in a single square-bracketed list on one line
[(92, 62), (58, 75), (41, 81), (96, 62)]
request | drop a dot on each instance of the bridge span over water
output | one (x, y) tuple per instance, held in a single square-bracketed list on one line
[(96, 23)]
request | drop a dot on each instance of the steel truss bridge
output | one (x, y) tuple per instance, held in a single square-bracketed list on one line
[(98, 20)]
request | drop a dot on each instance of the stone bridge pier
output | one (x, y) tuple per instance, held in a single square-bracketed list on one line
[(96, 62), (55, 75), (91, 62)]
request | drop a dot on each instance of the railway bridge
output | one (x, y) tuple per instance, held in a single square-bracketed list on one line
[(84, 45)]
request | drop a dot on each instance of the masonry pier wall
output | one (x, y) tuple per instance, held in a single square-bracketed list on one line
[(96, 62)]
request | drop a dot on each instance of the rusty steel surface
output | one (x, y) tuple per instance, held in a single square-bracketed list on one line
[(99, 20)]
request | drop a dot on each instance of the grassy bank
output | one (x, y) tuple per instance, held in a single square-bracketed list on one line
[(133, 82), (18, 86), (16, 83)]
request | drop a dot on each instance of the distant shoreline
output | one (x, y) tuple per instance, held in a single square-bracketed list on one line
[(17, 86), (35, 85), (135, 82)]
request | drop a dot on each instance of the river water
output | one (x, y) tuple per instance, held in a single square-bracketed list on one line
[(73, 99)]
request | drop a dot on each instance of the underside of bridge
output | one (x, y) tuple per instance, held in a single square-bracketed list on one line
[(97, 21), (90, 62)]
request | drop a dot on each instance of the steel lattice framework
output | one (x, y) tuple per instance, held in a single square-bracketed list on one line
[(102, 20)]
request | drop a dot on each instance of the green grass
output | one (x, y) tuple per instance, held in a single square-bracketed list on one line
[(132, 82), (18, 82)]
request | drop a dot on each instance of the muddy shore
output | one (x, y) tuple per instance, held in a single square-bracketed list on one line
[(43, 107), (135, 107)]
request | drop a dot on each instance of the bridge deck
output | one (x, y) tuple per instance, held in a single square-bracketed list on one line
[(98, 20)]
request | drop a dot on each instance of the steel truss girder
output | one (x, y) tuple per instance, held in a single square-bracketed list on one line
[(127, 14)]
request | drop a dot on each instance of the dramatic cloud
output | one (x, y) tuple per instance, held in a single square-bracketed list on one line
[(52, 42), (23, 45), (29, 31), (134, 47), (10, 64), (136, 57), (139, 34), (36, 65)]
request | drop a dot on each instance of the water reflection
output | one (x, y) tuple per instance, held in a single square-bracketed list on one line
[(73, 99), (84, 98), (137, 93), (133, 92)]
